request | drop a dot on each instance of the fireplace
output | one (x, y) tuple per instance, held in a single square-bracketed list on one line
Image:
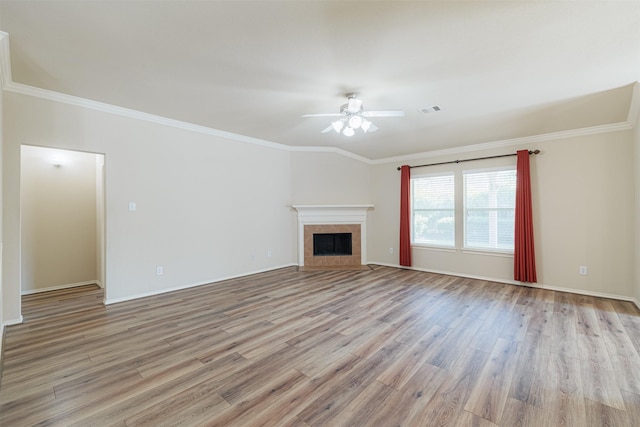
[(332, 244), (311, 232), (332, 235)]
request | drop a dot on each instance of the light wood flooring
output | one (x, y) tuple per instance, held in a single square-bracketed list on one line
[(382, 347)]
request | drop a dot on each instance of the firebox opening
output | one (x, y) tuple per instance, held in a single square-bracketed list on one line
[(331, 244)]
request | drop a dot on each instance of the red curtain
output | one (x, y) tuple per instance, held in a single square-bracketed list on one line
[(524, 268), (405, 216)]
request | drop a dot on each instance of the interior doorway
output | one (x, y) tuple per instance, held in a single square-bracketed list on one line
[(62, 219)]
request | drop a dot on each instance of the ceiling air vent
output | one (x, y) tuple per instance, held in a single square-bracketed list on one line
[(427, 110)]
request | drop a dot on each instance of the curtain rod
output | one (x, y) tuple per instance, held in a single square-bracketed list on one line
[(470, 160)]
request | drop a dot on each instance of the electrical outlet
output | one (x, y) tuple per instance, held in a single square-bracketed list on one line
[(582, 270), (390, 250), (159, 270), (269, 253)]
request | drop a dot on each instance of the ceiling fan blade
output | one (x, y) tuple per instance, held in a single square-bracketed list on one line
[(329, 129), (397, 113), (324, 115)]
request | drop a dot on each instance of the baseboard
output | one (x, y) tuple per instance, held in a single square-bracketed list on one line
[(1, 351), (12, 322), (193, 285), (58, 287), (2, 335), (581, 292), (515, 282)]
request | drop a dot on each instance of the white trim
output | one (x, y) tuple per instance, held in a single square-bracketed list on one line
[(328, 209), (1, 342), (427, 247), (12, 322), (593, 130), (134, 114), (515, 282), (5, 60), (127, 112), (193, 285), (487, 252), (58, 287), (634, 107), (579, 291), (336, 150), (636, 302)]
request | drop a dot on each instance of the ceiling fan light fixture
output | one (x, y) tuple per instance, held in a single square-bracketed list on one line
[(348, 131), (355, 121), (352, 117), (354, 105), (337, 125), (366, 124)]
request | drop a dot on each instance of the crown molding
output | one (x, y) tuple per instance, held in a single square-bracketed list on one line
[(336, 150), (593, 130), (127, 112), (9, 85)]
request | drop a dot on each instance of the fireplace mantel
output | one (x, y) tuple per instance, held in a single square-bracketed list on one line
[(331, 215)]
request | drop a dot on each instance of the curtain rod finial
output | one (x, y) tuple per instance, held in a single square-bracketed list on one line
[(534, 152)]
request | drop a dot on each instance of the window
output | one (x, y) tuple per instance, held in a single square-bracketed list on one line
[(433, 210), (489, 209)]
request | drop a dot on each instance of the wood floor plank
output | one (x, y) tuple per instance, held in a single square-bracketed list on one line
[(519, 414), (327, 407), (529, 384), (447, 405), (564, 400), (375, 347), (490, 393), (406, 365), (366, 408), (598, 377)]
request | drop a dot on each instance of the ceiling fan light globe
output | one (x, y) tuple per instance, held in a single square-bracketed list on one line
[(348, 131), (365, 125), (355, 122)]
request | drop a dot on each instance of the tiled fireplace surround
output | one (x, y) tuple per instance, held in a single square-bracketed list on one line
[(313, 219)]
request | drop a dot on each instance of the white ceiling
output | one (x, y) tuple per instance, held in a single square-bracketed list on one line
[(499, 70)]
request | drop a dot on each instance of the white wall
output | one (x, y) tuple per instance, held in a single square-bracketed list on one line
[(583, 213), (58, 218), (208, 208), (329, 178)]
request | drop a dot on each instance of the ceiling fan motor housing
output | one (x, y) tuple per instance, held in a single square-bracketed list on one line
[(354, 106)]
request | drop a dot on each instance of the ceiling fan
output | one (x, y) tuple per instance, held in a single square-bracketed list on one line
[(353, 117)]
